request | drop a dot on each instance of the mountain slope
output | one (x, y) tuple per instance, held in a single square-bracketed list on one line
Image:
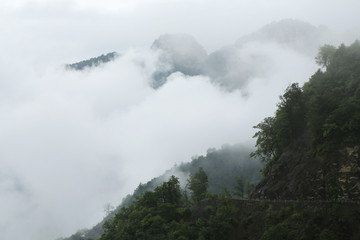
[(221, 166), (321, 159)]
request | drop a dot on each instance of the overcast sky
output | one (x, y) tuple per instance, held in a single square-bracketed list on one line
[(71, 142), (67, 30)]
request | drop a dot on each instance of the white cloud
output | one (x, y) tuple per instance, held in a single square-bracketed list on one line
[(71, 142), (78, 140)]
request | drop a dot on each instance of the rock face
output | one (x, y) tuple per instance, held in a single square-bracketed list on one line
[(298, 174)]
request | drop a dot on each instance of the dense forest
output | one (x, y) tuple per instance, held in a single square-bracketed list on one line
[(328, 106), (229, 170)]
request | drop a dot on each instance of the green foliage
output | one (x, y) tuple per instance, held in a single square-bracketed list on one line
[(279, 232), (153, 216), (198, 184), (277, 133), (328, 107), (248, 187), (92, 62), (333, 99), (325, 55), (163, 214), (239, 187), (220, 222)]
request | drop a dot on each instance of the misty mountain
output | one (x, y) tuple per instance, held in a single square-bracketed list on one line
[(179, 53), (230, 67), (222, 167), (311, 150), (92, 62), (289, 33)]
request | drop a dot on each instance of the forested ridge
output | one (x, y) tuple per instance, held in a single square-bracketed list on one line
[(327, 107)]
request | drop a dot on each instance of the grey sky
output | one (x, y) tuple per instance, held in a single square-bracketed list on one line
[(71, 142), (77, 29)]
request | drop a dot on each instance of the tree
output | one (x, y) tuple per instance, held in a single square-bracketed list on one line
[(198, 184), (266, 142), (276, 133), (325, 55), (239, 186), (249, 187), (169, 192)]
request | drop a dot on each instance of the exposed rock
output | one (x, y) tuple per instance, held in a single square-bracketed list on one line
[(299, 175)]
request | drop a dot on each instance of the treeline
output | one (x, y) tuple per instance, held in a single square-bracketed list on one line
[(170, 213), (327, 107), (92, 62), (230, 172), (225, 168)]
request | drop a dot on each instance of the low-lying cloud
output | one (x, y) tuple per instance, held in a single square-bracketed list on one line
[(73, 141)]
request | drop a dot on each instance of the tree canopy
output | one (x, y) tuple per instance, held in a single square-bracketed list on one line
[(328, 106), (198, 184)]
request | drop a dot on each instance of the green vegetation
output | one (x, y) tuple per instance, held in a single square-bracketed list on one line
[(221, 167), (93, 62), (166, 214), (198, 184), (327, 109), (328, 106)]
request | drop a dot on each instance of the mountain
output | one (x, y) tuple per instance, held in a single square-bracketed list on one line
[(230, 67), (311, 178), (314, 151), (179, 53), (290, 33), (311, 185), (92, 62)]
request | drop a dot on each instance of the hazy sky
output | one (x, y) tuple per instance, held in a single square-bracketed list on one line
[(71, 142)]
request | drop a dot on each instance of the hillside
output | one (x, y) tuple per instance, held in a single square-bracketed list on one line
[(311, 145), (222, 167), (311, 151)]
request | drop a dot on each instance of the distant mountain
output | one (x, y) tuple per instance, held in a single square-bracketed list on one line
[(179, 53), (229, 67), (289, 33), (92, 62)]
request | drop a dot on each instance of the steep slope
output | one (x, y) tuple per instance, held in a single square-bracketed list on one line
[(312, 145)]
